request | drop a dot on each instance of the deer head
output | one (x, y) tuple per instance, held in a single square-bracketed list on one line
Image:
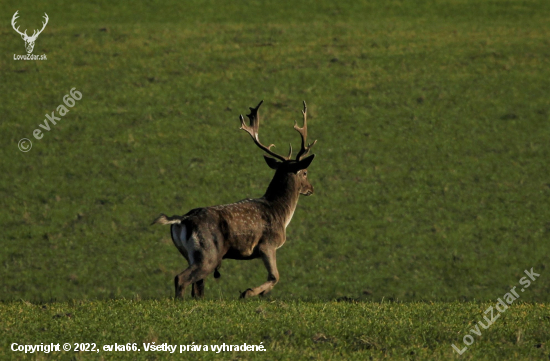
[(289, 173), (29, 40)]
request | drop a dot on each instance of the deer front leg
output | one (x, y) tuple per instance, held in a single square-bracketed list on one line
[(270, 263)]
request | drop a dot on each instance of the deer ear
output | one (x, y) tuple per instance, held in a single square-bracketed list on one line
[(271, 162), (304, 163)]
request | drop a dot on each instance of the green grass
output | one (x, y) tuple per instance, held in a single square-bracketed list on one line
[(431, 177), (288, 330)]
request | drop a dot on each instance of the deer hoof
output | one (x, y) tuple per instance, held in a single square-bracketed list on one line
[(246, 293)]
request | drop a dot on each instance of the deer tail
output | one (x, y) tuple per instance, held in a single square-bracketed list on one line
[(163, 219)]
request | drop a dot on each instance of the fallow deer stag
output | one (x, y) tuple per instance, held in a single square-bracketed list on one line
[(248, 229)]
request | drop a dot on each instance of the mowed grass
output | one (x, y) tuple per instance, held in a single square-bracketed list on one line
[(431, 177), (288, 330)]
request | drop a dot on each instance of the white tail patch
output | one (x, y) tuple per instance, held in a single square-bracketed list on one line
[(190, 245), (176, 236)]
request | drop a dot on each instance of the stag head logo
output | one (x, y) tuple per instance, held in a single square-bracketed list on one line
[(29, 40)]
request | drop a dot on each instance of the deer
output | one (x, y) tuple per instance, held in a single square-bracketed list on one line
[(245, 230), (29, 40)]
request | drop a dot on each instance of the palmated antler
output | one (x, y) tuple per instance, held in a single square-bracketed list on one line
[(303, 133), (253, 131)]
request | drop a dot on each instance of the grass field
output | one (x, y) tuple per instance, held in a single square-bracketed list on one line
[(431, 178), (289, 330)]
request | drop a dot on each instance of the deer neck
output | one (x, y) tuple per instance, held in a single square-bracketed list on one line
[(283, 194)]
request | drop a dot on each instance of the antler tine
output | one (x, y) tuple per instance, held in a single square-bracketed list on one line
[(13, 19), (303, 132), (43, 25), (253, 128), (46, 23)]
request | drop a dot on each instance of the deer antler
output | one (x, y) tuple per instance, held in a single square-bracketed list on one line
[(303, 132), (253, 131), (13, 25), (34, 34), (43, 26)]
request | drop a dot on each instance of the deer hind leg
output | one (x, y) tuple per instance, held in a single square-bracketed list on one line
[(217, 271), (198, 287), (197, 291), (270, 263), (182, 280), (201, 264), (195, 275), (189, 248)]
